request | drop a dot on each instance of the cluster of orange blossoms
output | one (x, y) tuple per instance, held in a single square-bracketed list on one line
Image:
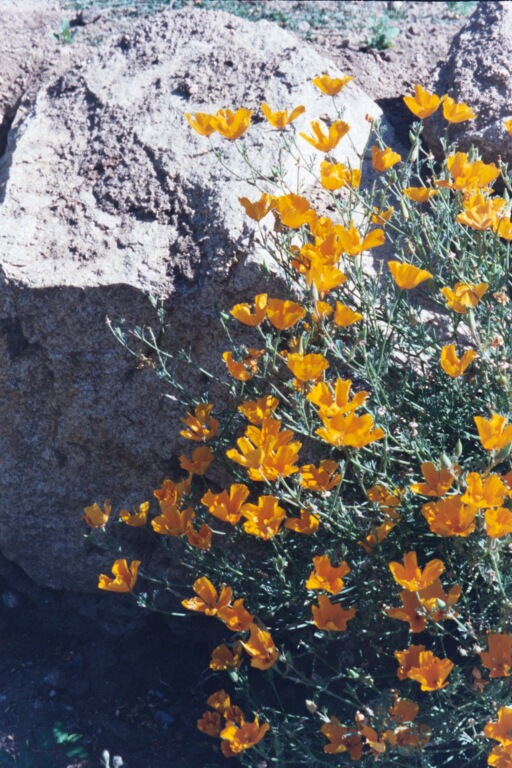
[(501, 755), (236, 733)]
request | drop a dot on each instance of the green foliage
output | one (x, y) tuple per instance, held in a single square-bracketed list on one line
[(382, 33), (65, 34)]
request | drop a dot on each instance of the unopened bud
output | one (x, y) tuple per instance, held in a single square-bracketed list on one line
[(446, 461), (311, 706), (504, 453), (458, 449)]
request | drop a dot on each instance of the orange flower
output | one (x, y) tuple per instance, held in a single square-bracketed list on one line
[(420, 194), (450, 517), (333, 403), (411, 577), (210, 723), (502, 730), (331, 86), (244, 314), (321, 311), (498, 522), (431, 672), (227, 508), (493, 433), (464, 296), (124, 577), (95, 516), (326, 576), (322, 478), (231, 124), (419, 606), (236, 617), (258, 210), (406, 275), (336, 175), (202, 457), (201, 426), (408, 659), (238, 738), (284, 314), (247, 368), (481, 212), (377, 535), (220, 701), (267, 453), (207, 600), (484, 492), (404, 710), (294, 211), (451, 364), (503, 228), (352, 242), (325, 142), (438, 482), (261, 648), (224, 658), (422, 104), (342, 739), (201, 122), (265, 519), (456, 113), (255, 411), (201, 539), (324, 276), (344, 316), (307, 367), (331, 617), (500, 757), (307, 523), (172, 521), (138, 519), (171, 493), (508, 126), (468, 175), (280, 119), (387, 500), (351, 430), (499, 656), (382, 217), (384, 159), (411, 611)]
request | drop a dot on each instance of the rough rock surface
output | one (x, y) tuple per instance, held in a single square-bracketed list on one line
[(107, 196), (478, 71)]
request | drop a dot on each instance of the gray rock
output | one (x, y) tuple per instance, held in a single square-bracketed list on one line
[(478, 71), (106, 197)]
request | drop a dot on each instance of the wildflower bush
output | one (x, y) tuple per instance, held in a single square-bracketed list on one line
[(356, 562)]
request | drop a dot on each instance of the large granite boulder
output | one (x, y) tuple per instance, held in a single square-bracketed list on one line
[(106, 197), (478, 71)]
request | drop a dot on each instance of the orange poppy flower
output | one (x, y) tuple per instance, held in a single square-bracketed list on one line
[(294, 210), (201, 426), (420, 194), (500, 757), (321, 311), (331, 617), (238, 738), (384, 159), (210, 723), (244, 314), (387, 500), (344, 316), (407, 276), (261, 648), (468, 175), (377, 535), (325, 142), (227, 507), (331, 86), (498, 659), (326, 576), (173, 521), (284, 314), (484, 492), (342, 739), (335, 402), (412, 611), (498, 522), (307, 367), (503, 227), (322, 478), (481, 212), (202, 457), (408, 659), (201, 123), (324, 277), (96, 516), (404, 710), (220, 701), (201, 539), (502, 730), (247, 367), (224, 658), (334, 176), (171, 493), (451, 364), (382, 217), (464, 296), (411, 577), (307, 523), (231, 124), (508, 126), (353, 244), (280, 119), (350, 430), (450, 516), (259, 209), (255, 411), (494, 433), (236, 617), (456, 113), (208, 601), (431, 671), (138, 519), (422, 104), (265, 519), (124, 579), (438, 482)]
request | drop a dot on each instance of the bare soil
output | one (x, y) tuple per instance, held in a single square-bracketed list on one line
[(95, 667)]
